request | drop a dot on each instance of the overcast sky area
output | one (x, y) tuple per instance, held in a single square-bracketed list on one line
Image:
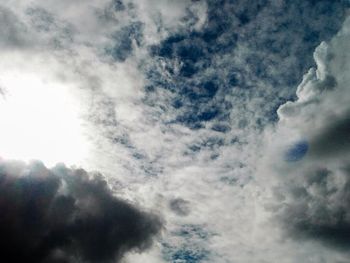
[(136, 131)]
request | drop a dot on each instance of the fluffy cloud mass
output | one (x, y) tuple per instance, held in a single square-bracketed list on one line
[(312, 189), (66, 215)]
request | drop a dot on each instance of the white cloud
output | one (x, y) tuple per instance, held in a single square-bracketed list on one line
[(309, 195), (147, 159)]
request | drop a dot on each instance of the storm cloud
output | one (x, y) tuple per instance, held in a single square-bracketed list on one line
[(319, 208), (313, 186), (66, 215)]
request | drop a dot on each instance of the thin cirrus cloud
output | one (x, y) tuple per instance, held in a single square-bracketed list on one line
[(190, 109)]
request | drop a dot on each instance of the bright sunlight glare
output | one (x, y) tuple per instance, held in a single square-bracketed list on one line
[(39, 120)]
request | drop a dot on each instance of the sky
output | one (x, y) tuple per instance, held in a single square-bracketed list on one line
[(181, 131)]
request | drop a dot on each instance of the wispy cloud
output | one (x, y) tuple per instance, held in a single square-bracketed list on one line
[(179, 103)]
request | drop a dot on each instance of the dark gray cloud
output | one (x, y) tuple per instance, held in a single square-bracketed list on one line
[(179, 206), (332, 140), (66, 215), (318, 208)]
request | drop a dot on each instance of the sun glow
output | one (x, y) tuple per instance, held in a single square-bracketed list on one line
[(39, 119)]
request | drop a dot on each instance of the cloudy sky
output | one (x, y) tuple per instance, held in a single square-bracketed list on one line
[(175, 131)]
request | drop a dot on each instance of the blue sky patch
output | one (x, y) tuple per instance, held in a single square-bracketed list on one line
[(297, 151)]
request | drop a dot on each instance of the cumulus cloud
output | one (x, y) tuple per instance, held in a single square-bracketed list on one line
[(312, 187), (66, 215)]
